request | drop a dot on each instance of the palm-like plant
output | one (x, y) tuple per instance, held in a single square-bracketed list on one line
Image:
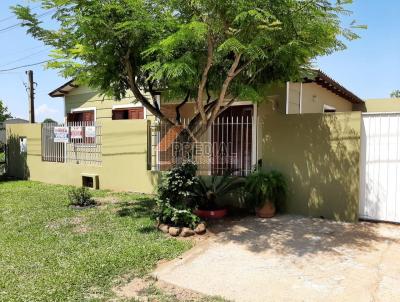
[(266, 187), (209, 190)]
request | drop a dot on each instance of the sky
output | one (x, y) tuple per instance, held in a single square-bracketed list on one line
[(370, 67)]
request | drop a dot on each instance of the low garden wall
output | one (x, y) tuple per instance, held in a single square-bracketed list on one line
[(124, 158)]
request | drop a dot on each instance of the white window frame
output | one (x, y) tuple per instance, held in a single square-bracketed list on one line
[(127, 106), (328, 107), (86, 109)]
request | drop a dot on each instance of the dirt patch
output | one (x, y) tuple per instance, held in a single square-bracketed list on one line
[(134, 289), (77, 224), (149, 289), (107, 200)]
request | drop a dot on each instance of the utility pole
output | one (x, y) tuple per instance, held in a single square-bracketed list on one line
[(31, 93)]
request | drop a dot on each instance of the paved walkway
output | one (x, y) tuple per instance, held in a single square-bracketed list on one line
[(290, 258)]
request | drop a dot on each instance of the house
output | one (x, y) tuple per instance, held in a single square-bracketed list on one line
[(9, 122), (315, 132)]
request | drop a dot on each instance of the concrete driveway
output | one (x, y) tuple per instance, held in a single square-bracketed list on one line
[(292, 258)]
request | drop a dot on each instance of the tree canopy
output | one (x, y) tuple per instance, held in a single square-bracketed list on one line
[(206, 51), (4, 114), (49, 121), (395, 94)]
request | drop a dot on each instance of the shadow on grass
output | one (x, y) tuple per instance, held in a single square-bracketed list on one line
[(147, 229), (138, 208)]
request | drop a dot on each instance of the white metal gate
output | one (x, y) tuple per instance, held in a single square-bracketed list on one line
[(380, 167)]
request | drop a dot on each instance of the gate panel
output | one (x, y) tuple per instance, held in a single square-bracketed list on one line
[(380, 167)]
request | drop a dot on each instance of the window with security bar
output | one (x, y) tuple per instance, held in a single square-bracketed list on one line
[(226, 147)]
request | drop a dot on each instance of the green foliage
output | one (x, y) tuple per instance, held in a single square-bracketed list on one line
[(80, 197), (208, 191), (168, 214), (395, 94), (265, 187), (177, 185), (174, 202), (4, 114), (49, 121), (166, 43)]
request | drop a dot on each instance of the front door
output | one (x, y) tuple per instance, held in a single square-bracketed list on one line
[(231, 137)]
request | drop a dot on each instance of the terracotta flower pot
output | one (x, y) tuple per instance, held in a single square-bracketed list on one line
[(268, 210), (211, 214)]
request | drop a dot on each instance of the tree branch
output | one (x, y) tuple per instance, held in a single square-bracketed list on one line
[(204, 78), (231, 75), (138, 95), (177, 109)]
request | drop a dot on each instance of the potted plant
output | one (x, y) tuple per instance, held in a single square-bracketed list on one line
[(267, 190), (208, 191)]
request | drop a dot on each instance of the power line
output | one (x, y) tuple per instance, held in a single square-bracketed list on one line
[(12, 16), (8, 28), (24, 58), (28, 65)]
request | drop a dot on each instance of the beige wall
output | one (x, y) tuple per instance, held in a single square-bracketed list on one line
[(124, 158), (380, 105), (319, 155), (314, 98), (84, 97)]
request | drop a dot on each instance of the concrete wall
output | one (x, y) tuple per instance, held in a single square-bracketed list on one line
[(380, 105), (314, 99), (124, 158), (319, 155)]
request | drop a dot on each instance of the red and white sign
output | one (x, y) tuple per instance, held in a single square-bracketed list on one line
[(76, 132), (61, 134)]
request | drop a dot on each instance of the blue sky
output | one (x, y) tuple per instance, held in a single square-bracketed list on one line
[(370, 67)]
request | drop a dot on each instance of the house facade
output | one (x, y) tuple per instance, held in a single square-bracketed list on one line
[(310, 131)]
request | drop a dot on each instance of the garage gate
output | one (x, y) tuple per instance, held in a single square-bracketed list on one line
[(380, 167)]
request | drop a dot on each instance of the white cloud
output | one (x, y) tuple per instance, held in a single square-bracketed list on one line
[(44, 110)]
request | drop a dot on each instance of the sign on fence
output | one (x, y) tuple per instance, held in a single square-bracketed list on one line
[(61, 134), (76, 132), (90, 131)]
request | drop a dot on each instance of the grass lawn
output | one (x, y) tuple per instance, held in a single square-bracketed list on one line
[(50, 252)]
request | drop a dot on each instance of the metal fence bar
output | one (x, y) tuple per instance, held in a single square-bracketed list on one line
[(79, 149), (227, 145)]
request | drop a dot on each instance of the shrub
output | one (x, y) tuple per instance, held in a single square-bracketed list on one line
[(177, 185), (174, 202), (81, 197), (170, 215)]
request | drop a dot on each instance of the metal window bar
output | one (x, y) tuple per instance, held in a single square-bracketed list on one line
[(81, 149), (226, 146)]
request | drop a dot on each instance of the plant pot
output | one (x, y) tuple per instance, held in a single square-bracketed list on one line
[(268, 210), (211, 214)]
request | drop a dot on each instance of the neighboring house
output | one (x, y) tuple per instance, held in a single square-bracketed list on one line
[(9, 122)]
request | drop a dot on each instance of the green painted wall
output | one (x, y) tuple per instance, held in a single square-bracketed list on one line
[(124, 158), (380, 105), (319, 155)]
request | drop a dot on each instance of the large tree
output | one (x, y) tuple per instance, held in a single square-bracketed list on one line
[(395, 94), (4, 114), (207, 51)]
